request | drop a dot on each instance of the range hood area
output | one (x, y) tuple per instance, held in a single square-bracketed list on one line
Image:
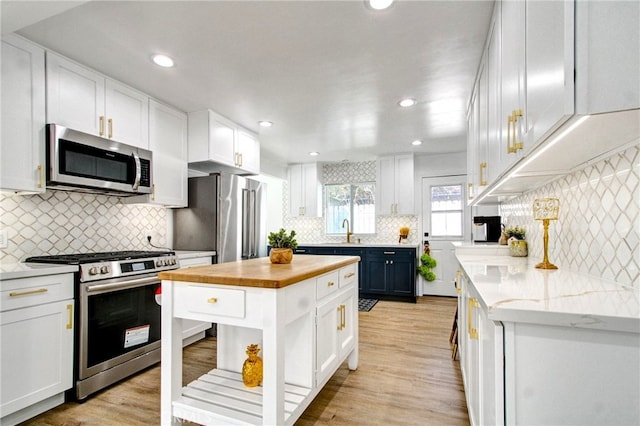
[(580, 141)]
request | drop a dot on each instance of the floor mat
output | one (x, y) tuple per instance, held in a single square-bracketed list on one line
[(365, 305)]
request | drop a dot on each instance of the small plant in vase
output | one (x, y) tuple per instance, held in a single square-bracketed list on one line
[(516, 241), (282, 245)]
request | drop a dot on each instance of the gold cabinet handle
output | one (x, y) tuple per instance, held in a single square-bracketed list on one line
[(516, 145), (153, 192), (330, 284), (240, 162), (212, 300), (483, 167), (349, 275), (25, 293), (110, 121), (473, 332), (339, 309), (457, 280), (510, 149), (102, 125), (470, 191), (41, 176), (70, 322), (344, 316)]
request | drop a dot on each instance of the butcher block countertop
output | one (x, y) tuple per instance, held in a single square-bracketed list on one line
[(260, 272)]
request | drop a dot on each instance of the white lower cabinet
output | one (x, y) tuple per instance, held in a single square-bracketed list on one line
[(36, 329), (541, 374), (335, 332)]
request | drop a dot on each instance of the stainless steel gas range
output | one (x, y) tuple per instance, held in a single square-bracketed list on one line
[(117, 314)]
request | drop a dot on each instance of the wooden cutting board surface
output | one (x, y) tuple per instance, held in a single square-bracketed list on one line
[(260, 272)]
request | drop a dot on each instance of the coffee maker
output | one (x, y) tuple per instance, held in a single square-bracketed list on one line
[(486, 229)]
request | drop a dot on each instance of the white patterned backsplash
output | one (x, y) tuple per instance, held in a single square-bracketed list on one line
[(598, 230), (311, 230), (60, 222)]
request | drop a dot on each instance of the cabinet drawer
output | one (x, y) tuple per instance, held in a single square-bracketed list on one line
[(348, 274), (24, 292), (393, 252), (194, 299), (327, 284)]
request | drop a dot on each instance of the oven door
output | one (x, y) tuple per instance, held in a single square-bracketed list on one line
[(119, 320)]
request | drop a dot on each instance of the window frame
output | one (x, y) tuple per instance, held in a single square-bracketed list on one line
[(352, 189)]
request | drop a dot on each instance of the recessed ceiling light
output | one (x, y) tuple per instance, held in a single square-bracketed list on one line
[(408, 102), (314, 153), (379, 4), (162, 60), (265, 123), (416, 142)]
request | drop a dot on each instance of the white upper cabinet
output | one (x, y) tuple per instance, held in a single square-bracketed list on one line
[(85, 100), (22, 155), (568, 92), (394, 185), (305, 190), (216, 143), (168, 142)]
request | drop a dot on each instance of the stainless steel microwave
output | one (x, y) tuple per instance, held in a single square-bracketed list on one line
[(84, 162)]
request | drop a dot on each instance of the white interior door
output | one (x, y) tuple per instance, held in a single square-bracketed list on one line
[(444, 218)]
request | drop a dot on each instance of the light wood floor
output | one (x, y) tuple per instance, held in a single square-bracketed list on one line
[(405, 376)]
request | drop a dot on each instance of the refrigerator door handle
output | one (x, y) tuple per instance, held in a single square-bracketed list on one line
[(254, 226), (246, 225)]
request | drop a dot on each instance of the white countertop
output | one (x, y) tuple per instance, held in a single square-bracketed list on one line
[(10, 271), (513, 290), (190, 254)]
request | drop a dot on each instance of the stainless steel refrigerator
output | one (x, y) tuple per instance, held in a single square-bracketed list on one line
[(226, 213)]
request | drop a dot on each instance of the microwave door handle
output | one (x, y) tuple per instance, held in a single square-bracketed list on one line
[(136, 183)]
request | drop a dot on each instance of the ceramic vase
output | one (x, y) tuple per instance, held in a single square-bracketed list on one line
[(518, 248), (281, 255)]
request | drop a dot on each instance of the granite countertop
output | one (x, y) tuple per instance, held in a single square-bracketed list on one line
[(15, 270), (260, 272), (511, 289)]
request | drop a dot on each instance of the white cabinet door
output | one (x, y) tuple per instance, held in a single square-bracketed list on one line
[(493, 160), (85, 100), (394, 185), (37, 354), (75, 96), (191, 328), (305, 191), (22, 155), (248, 151), (168, 142), (549, 67), (327, 322), (127, 113)]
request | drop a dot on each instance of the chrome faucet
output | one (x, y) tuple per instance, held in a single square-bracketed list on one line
[(349, 233)]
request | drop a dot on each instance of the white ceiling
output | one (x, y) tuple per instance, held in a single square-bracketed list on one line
[(329, 74)]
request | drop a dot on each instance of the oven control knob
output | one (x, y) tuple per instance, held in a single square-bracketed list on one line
[(159, 263), (93, 270), (173, 261), (104, 270)]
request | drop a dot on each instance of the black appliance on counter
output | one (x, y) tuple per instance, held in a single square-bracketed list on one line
[(117, 317), (486, 229)]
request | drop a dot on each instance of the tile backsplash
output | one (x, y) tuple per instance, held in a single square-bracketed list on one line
[(59, 222), (312, 230), (598, 231)]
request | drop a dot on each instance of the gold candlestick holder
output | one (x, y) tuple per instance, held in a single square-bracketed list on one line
[(546, 209)]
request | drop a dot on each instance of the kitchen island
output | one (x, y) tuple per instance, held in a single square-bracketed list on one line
[(302, 315)]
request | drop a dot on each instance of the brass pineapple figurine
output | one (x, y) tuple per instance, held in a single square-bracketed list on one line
[(252, 367)]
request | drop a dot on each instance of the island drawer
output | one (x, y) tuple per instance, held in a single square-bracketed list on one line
[(348, 274), (327, 284), (208, 300)]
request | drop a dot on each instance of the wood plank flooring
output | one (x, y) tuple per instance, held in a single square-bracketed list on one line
[(405, 377)]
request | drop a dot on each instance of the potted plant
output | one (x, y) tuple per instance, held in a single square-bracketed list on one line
[(282, 246), (516, 240), (427, 263)]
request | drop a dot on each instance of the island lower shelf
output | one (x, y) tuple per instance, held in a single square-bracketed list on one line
[(305, 329)]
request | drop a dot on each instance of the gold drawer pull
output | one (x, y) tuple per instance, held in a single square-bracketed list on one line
[(24, 293), (330, 283), (350, 274), (41, 174), (212, 300)]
